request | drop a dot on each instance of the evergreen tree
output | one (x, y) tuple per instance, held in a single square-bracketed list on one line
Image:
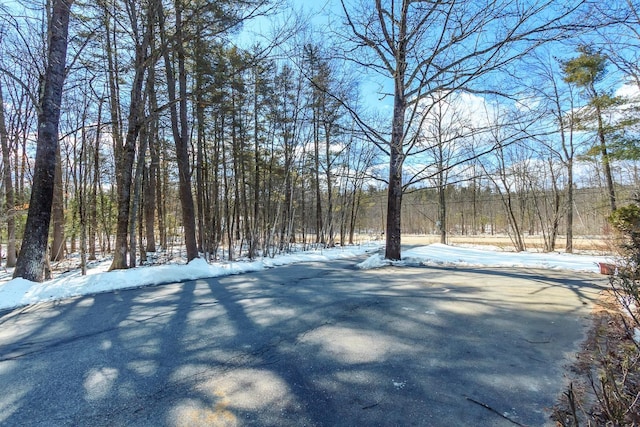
[(585, 71)]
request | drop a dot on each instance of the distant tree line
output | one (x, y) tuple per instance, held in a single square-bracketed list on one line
[(172, 130)]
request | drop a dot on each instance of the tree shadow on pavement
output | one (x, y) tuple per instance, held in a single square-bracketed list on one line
[(310, 344)]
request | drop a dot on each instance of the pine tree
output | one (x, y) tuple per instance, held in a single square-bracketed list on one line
[(585, 71)]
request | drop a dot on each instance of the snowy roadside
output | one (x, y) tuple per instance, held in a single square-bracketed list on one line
[(443, 255), (19, 292)]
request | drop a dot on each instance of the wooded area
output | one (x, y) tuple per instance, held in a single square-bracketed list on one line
[(180, 127)]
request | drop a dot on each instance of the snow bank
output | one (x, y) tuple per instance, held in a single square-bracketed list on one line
[(444, 255), (20, 292)]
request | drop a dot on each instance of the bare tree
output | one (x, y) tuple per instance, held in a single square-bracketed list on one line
[(558, 99), (426, 47), (508, 167), (9, 201), (619, 31), (444, 129)]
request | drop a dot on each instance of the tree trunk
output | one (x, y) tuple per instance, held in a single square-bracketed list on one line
[(606, 164), (182, 149), (9, 201), (442, 207), (125, 155), (93, 198), (516, 233), (227, 209), (352, 214), (396, 159), (200, 165), (394, 206), (137, 190), (149, 202), (474, 221), (151, 172), (155, 174), (57, 213), (569, 243), (216, 221), (255, 232), (125, 174), (30, 264), (316, 160), (162, 187), (179, 126), (396, 154), (329, 224)]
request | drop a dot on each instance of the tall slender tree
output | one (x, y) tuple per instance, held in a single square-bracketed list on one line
[(180, 128), (9, 201), (125, 153), (30, 264)]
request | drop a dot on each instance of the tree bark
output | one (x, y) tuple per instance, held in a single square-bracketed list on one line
[(137, 190), (93, 198), (329, 223), (606, 163), (569, 242), (125, 155), (182, 148), (396, 154), (57, 212), (316, 160), (9, 201), (394, 206), (31, 261), (442, 209), (200, 148), (150, 172), (179, 126)]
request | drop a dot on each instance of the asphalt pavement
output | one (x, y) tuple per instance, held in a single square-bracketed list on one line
[(311, 344)]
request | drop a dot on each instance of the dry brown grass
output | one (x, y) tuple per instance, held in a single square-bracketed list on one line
[(605, 377), (598, 244)]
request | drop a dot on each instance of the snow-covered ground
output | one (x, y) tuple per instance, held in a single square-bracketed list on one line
[(487, 256), (20, 292)]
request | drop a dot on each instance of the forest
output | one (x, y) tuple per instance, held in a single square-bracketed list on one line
[(246, 128)]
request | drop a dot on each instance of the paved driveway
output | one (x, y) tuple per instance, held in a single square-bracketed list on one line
[(310, 344)]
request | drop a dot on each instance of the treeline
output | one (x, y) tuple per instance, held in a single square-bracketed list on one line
[(482, 211), (170, 133)]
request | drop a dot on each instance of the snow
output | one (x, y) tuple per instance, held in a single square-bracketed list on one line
[(443, 255), (19, 292)]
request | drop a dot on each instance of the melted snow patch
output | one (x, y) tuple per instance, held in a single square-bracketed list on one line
[(374, 261)]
